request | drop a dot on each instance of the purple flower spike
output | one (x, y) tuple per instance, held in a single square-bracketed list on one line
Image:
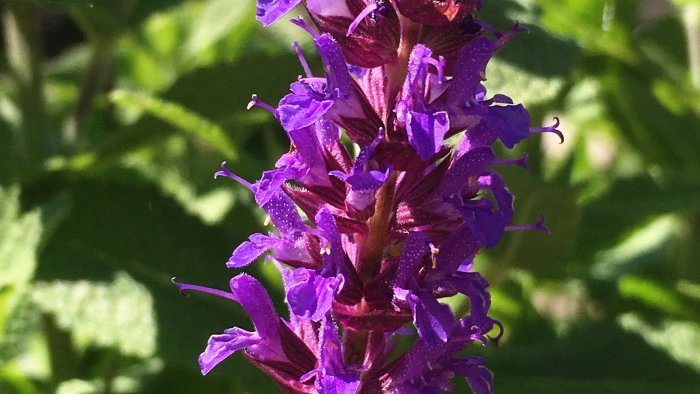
[(370, 244)]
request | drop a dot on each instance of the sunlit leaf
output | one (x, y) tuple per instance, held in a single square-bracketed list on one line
[(117, 315), (218, 19), (21, 235), (646, 245), (680, 339)]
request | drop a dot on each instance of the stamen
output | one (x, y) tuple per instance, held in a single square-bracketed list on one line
[(539, 226), (302, 59), (362, 15), (550, 129), (267, 221), (521, 162), (256, 102), (184, 287), (302, 23), (433, 254), (228, 174)]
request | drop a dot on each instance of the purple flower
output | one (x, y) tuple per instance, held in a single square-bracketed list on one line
[(369, 244), (273, 345)]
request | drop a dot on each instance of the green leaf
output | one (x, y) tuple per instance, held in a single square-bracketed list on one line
[(648, 244), (655, 295), (533, 67), (660, 136), (680, 339), (117, 315), (600, 26), (218, 19), (593, 357), (180, 117), (20, 235), (630, 203), (78, 386), (522, 86), (13, 380), (125, 223)]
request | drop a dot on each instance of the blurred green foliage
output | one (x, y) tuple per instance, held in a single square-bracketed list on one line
[(107, 150)]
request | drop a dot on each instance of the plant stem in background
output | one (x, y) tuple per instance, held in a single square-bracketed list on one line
[(23, 45), (691, 19), (95, 80)]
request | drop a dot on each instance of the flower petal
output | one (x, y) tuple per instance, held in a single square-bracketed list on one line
[(512, 123), (257, 304), (302, 110), (479, 377), (426, 132), (250, 250), (268, 11), (472, 163), (433, 320), (469, 70), (219, 347), (311, 295)]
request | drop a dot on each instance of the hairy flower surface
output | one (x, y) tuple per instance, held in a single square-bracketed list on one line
[(369, 244)]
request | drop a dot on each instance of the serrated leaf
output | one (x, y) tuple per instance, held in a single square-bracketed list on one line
[(21, 322), (117, 315), (20, 235), (180, 117)]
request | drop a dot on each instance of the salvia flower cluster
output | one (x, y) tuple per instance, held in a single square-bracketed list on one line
[(368, 244)]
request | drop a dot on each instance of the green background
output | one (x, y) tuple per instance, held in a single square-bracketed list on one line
[(108, 146)]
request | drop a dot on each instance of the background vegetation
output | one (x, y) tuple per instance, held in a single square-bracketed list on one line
[(114, 114)]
